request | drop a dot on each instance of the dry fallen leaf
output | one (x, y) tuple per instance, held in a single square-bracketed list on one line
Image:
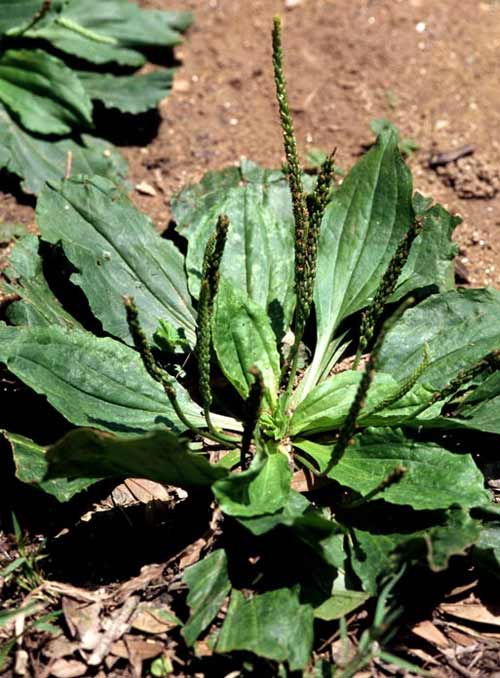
[(83, 620), (153, 619), (473, 612), (117, 625), (430, 633), (68, 668)]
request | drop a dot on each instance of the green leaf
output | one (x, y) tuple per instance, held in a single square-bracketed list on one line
[(434, 478), (460, 327), (259, 253), (326, 406), (92, 381), (208, 584), (101, 31), (243, 338), (37, 160), (487, 548), (128, 93), (342, 601), (117, 252), (31, 467), (262, 489), (17, 13), (39, 306), (273, 625), (452, 539), (374, 554), (158, 456), (295, 507), (361, 229), (43, 92), (430, 263), (480, 410)]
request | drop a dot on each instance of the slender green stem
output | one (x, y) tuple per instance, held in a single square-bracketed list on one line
[(253, 408), (373, 313), (209, 285), (346, 434), (75, 27), (157, 373)]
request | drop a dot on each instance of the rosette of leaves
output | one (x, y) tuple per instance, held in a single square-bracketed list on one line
[(57, 59), (246, 342)]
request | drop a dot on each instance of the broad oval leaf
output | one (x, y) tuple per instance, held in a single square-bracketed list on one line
[(31, 464), (243, 338), (38, 305), (47, 96), (274, 625), (262, 489), (434, 479), (102, 31), (460, 327), (158, 456), (128, 93), (92, 381), (208, 583), (361, 229), (326, 406), (38, 160), (17, 14), (259, 254), (117, 252)]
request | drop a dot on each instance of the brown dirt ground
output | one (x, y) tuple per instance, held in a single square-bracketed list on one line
[(430, 67)]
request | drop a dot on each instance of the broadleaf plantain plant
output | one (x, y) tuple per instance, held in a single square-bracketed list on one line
[(346, 460), (47, 96)]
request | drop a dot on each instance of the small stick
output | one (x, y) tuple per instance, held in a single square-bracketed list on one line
[(444, 158)]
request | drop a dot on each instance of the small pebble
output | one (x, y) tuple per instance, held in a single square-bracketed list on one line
[(145, 189), (290, 4), (420, 27)]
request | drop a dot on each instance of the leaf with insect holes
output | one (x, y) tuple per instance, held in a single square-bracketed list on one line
[(87, 216)]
